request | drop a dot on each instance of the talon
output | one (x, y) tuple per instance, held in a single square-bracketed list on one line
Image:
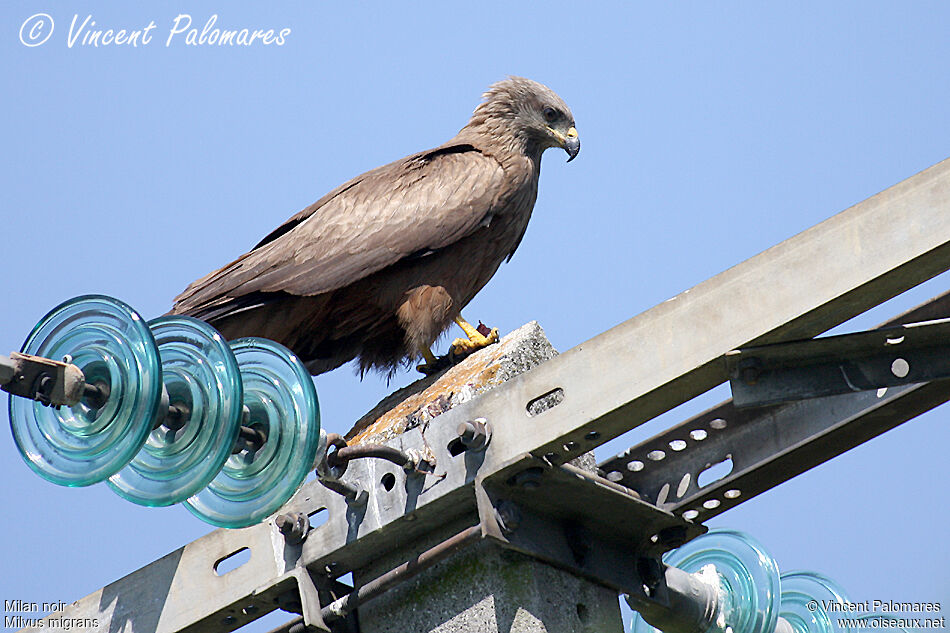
[(440, 363), (434, 364)]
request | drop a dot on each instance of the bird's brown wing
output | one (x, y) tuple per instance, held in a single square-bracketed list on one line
[(421, 203)]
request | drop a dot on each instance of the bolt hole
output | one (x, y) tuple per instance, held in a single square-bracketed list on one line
[(318, 517), (717, 424), (615, 476), (900, 368), (545, 401), (715, 472), (529, 478), (678, 445), (656, 455), (731, 494), (232, 561), (635, 466), (590, 437), (689, 515), (388, 481), (683, 486), (698, 434), (456, 447)]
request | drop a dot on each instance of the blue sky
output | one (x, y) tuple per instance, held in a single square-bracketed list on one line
[(710, 132)]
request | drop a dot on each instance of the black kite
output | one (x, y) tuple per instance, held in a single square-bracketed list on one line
[(379, 267)]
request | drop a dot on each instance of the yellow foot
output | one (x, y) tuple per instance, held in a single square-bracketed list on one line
[(477, 338), (461, 347)]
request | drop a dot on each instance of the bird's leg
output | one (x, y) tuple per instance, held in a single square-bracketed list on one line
[(428, 355), (432, 364), (475, 341)]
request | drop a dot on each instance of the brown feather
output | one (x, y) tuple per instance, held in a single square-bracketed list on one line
[(381, 265)]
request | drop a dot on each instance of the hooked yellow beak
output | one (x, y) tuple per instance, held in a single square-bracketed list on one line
[(571, 143)]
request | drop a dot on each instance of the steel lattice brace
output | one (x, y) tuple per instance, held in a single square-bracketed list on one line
[(606, 386), (769, 444)]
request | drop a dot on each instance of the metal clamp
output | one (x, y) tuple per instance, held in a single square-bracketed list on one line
[(48, 381)]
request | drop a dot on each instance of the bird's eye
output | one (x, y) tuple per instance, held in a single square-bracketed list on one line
[(550, 114)]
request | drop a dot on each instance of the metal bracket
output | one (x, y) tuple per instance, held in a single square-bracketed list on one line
[(600, 530), (888, 357), (51, 382), (580, 522), (309, 605)]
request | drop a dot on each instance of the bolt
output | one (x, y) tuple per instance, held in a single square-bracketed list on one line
[(529, 478), (508, 516), (474, 434), (294, 526), (749, 370), (228, 620), (43, 387)]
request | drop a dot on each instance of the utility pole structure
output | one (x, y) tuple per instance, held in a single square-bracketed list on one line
[(503, 512)]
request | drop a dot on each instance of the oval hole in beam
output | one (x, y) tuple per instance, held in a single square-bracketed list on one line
[(545, 401), (714, 473), (232, 561), (318, 517)]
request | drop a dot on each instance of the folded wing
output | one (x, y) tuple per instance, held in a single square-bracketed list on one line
[(421, 203)]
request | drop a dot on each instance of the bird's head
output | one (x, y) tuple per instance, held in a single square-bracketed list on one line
[(530, 112)]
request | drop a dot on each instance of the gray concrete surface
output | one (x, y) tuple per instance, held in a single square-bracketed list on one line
[(485, 588)]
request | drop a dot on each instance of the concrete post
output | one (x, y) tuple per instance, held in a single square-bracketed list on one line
[(485, 588)]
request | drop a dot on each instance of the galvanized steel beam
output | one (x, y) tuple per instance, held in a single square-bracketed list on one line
[(673, 352), (891, 357)]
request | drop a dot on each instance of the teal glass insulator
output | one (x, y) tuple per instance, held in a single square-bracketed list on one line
[(184, 453), (805, 601), (748, 579), (281, 403), (90, 441)]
